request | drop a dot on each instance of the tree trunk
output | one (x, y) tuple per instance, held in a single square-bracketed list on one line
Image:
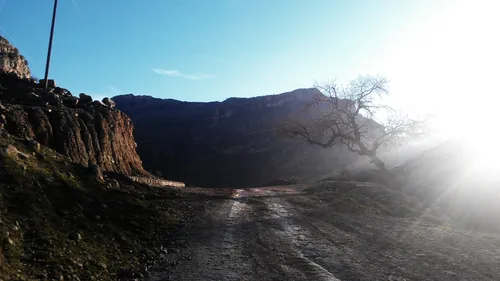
[(380, 165), (385, 176)]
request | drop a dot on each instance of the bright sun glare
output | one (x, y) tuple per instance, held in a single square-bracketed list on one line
[(448, 68), (476, 132)]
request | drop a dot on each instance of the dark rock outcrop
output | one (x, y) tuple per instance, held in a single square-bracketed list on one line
[(109, 102), (234, 143), (84, 98), (96, 172), (34, 145), (50, 84), (83, 131)]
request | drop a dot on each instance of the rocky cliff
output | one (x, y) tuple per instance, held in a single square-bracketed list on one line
[(89, 132), (233, 143), (12, 61)]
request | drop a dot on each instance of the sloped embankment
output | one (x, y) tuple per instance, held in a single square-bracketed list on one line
[(57, 222)]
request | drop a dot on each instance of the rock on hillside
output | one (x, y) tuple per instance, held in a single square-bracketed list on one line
[(12, 61), (229, 143), (88, 132)]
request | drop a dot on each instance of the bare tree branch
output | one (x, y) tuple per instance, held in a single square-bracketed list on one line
[(344, 116)]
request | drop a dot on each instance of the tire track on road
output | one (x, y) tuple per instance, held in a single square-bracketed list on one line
[(293, 237)]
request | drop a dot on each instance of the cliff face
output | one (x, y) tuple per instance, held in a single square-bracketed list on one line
[(87, 131), (12, 61), (234, 143)]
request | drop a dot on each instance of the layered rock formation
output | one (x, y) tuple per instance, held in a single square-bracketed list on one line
[(11, 61), (87, 131), (234, 143)]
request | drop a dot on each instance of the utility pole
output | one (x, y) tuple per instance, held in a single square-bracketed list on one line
[(50, 45)]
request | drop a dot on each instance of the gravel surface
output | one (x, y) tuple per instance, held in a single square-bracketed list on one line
[(307, 233)]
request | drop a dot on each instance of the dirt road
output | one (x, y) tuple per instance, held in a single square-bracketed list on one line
[(325, 233)]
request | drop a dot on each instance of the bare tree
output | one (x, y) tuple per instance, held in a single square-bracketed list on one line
[(345, 116)]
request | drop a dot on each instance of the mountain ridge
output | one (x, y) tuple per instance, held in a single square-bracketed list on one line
[(289, 93), (236, 141)]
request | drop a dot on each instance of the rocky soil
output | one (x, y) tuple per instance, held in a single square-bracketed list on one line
[(62, 221)]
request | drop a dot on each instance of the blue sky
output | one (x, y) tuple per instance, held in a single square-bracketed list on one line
[(440, 55), (208, 50)]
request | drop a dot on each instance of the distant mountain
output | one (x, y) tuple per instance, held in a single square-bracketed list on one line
[(233, 143)]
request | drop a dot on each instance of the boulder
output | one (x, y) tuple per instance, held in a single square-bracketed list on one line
[(31, 98), (33, 144), (113, 184), (32, 95), (98, 103), (12, 152), (76, 236), (109, 102), (71, 101), (96, 173), (3, 120), (62, 92), (84, 99), (53, 99), (51, 84)]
